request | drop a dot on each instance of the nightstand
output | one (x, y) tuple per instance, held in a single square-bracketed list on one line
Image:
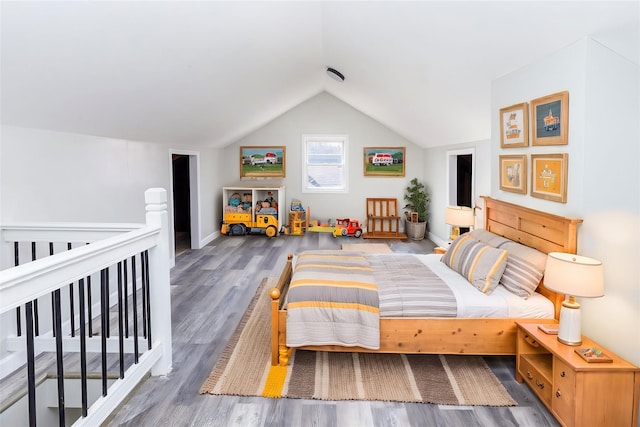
[(576, 392)]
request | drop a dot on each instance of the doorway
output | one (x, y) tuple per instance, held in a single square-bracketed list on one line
[(460, 180), (181, 205), (184, 194)]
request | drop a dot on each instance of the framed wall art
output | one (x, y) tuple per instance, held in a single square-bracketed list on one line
[(514, 126), (549, 176), (513, 173), (383, 161), (262, 162), (550, 119)]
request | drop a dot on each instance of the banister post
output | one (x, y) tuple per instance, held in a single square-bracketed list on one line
[(159, 278)]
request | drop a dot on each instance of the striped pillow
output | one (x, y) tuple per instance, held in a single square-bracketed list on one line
[(480, 264), (525, 268)]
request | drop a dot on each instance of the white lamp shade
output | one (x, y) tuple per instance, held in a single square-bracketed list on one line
[(460, 216), (574, 275)]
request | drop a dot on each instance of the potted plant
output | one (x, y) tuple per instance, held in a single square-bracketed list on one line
[(415, 210)]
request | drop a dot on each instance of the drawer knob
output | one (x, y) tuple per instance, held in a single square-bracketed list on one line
[(539, 384), (558, 394), (529, 375), (563, 374)]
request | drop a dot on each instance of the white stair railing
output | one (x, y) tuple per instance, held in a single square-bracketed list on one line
[(109, 246)]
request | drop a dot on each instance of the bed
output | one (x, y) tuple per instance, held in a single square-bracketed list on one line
[(539, 230)]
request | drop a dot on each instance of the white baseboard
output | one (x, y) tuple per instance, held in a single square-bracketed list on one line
[(208, 239), (438, 241)]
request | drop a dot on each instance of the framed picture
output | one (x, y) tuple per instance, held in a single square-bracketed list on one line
[(514, 126), (551, 119), (549, 176), (262, 162), (383, 161), (513, 173)]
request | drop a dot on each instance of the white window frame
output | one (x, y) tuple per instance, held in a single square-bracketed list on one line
[(344, 140)]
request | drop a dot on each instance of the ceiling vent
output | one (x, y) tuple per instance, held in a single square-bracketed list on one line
[(335, 74)]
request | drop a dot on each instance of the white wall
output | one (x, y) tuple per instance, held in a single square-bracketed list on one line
[(54, 176), (604, 179), (325, 114)]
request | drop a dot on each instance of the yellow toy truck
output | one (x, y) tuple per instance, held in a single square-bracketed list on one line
[(239, 224)]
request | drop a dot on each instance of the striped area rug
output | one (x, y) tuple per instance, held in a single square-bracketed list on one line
[(244, 370)]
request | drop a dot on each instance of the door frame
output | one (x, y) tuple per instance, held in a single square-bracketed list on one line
[(194, 198), (452, 174)]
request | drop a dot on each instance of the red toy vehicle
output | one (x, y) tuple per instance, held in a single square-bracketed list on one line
[(347, 227)]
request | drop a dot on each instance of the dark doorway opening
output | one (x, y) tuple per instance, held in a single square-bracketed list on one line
[(464, 175), (181, 203)]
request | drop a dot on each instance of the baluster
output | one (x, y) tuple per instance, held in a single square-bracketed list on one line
[(16, 262), (134, 303), (36, 321), (83, 348), (143, 291), (72, 316), (104, 312), (126, 300), (89, 305), (53, 310), (107, 305), (148, 302), (31, 367), (57, 321), (120, 320)]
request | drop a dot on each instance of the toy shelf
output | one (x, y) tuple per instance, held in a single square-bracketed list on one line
[(254, 194)]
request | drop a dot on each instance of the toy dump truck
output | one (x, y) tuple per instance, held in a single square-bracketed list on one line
[(239, 224)]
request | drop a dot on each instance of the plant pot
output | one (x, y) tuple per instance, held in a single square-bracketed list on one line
[(415, 230)]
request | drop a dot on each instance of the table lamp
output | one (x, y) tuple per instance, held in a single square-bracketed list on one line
[(458, 216), (574, 276)]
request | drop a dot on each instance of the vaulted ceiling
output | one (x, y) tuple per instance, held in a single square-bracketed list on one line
[(210, 72)]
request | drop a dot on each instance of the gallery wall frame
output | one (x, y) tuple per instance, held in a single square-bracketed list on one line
[(513, 173), (263, 162), (550, 119), (383, 161), (514, 126), (549, 174)]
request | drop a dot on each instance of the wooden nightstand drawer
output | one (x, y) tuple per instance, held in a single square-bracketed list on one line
[(578, 393), (564, 385), (536, 371)]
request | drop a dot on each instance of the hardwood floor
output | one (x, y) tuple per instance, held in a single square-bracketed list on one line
[(211, 289)]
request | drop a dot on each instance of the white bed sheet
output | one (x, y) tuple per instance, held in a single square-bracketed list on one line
[(500, 303)]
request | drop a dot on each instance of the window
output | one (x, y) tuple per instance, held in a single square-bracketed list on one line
[(325, 163)]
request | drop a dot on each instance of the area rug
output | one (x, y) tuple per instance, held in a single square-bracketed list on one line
[(370, 248), (244, 369)]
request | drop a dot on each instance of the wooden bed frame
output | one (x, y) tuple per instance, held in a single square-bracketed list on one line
[(481, 336)]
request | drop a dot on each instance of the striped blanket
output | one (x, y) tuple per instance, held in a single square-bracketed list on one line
[(333, 300), (408, 288)]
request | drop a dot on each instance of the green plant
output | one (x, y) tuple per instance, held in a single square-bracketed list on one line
[(417, 200)]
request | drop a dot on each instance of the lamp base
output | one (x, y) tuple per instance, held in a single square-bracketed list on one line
[(455, 233), (569, 331)]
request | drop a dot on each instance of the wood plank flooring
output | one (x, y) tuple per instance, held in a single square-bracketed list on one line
[(211, 289)]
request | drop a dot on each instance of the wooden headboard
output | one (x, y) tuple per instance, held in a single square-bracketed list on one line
[(540, 230)]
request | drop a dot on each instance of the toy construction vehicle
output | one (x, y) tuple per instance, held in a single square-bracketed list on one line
[(347, 227), (239, 224)]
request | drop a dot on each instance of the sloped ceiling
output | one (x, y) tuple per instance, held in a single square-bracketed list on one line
[(208, 73)]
